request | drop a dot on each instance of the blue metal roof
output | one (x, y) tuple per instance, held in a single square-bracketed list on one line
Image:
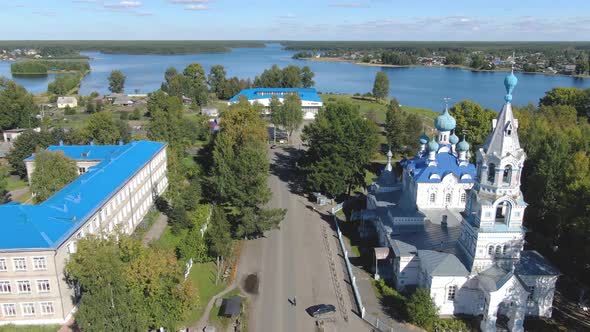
[(307, 94), (446, 163), (49, 224)]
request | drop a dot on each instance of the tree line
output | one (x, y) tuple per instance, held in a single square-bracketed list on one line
[(288, 77), (42, 67)]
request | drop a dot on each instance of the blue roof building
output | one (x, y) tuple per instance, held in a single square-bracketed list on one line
[(310, 100)]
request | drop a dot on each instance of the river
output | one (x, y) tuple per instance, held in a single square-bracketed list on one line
[(417, 86)]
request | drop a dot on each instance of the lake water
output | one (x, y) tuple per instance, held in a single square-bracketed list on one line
[(419, 86)]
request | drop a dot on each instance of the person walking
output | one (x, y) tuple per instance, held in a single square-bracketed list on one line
[(295, 301)]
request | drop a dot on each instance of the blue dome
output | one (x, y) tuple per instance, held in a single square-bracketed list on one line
[(454, 139), (423, 139), (510, 83), (432, 145), (445, 122), (463, 145)]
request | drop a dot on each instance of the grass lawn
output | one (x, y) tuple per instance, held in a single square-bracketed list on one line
[(29, 328), (24, 198), (15, 183), (221, 321)]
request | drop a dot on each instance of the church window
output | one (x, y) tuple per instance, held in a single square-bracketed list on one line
[(498, 250), (448, 199), (531, 293), (490, 250), (505, 250), (508, 130), (491, 173), (463, 197), (452, 291), (479, 166), (432, 198), (507, 176)]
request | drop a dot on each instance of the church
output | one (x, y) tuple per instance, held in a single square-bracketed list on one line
[(455, 228)]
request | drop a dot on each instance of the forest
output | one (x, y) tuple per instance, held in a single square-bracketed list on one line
[(43, 67)]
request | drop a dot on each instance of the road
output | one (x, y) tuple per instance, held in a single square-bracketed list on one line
[(293, 262)]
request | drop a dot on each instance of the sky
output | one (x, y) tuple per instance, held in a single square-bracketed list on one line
[(496, 20)]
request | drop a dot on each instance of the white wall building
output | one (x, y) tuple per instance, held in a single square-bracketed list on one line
[(311, 103), (456, 229), (113, 194), (63, 102)]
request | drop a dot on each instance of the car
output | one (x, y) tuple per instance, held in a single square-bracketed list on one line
[(320, 310), (273, 146)]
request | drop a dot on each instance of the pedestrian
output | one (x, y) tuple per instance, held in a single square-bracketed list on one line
[(295, 301)]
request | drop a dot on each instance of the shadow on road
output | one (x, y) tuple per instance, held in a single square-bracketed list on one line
[(284, 166)]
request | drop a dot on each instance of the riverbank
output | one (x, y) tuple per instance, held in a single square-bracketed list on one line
[(498, 70)]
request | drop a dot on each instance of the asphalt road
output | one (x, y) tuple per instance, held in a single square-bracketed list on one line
[(292, 262)]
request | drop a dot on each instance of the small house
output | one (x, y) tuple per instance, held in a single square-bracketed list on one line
[(210, 111), (123, 100), (63, 102)]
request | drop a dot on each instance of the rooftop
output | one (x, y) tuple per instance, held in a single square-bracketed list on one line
[(446, 163), (533, 264), (49, 224), (307, 94)]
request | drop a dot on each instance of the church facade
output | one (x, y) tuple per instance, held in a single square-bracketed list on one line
[(456, 228)]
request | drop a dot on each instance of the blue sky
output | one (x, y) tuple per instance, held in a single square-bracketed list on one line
[(296, 19)]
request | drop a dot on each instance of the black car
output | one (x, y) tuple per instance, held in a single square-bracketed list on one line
[(320, 309)]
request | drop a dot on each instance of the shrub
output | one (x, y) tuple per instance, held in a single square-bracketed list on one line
[(136, 115), (451, 325), (393, 300), (69, 111), (124, 115), (421, 309)]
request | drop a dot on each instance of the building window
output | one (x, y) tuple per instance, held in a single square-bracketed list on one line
[(3, 264), (5, 287), (82, 170), (43, 286), (452, 291), (9, 309), (491, 173), (39, 263), (20, 264), (463, 197), (531, 296), (24, 286), (28, 309), (432, 198), (47, 308), (71, 248), (448, 198), (505, 250), (498, 250), (490, 250), (507, 175)]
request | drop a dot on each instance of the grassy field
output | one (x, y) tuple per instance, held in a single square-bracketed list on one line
[(29, 328)]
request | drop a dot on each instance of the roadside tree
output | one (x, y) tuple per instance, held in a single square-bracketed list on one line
[(381, 86), (293, 114), (307, 77)]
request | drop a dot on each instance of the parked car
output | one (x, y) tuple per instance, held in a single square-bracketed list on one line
[(320, 310)]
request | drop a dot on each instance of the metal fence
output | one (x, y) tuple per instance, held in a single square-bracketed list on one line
[(378, 325)]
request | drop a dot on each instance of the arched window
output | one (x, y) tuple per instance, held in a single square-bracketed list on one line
[(448, 198), (491, 173), (479, 166), (432, 197), (505, 250), (451, 293), (498, 250), (507, 176), (490, 250), (503, 211), (463, 197)]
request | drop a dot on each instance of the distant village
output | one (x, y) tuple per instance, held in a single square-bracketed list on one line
[(16, 54)]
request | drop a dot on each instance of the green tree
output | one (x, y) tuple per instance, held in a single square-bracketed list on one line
[(196, 84), (307, 77), (4, 174), (381, 86), (218, 238), (135, 115), (421, 309), (291, 77), (90, 108), (578, 98), (270, 78), (166, 122), (293, 114), (478, 61), (124, 131), (117, 81), (395, 130), (69, 111), (341, 145), (216, 78), (17, 108), (53, 171), (473, 121), (581, 64), (101, 129)]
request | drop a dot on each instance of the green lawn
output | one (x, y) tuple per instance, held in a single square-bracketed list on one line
[(13, 183), (29, 328)]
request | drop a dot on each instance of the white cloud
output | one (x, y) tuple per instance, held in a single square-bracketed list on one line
[(189, 1), (348, 5), (196, 7), (123, 4)]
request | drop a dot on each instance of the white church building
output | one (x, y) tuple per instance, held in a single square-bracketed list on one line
[(456, 228)]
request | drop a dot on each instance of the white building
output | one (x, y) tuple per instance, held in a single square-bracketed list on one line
[(10, 135), (468, 251), (63, 102), (311, 102), (116, 188)]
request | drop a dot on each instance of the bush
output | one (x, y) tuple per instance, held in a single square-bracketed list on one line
[(136, 115), (451, 325), (124, 115), (69, 111), (393, 300), (421, 309)]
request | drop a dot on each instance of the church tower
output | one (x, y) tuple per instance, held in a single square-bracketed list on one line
[(491, 230)]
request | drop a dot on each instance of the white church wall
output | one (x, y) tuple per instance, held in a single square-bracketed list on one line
[(542, 290), (505, 246), (407, 274), (445, 291)]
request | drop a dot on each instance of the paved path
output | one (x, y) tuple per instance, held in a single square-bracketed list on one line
[(292, 261), (156, 230), (202, 323)]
